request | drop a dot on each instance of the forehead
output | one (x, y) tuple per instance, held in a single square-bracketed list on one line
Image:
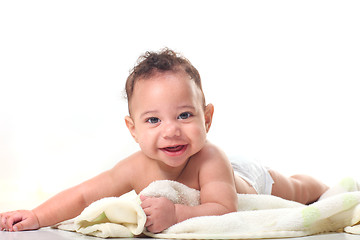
[(164, 88)]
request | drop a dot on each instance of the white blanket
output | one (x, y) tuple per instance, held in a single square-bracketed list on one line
[(259, 216)]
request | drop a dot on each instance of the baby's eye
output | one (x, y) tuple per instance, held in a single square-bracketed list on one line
[(153, 120), (184, 115)]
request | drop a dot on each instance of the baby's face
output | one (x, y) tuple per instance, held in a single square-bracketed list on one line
[(168, 119)]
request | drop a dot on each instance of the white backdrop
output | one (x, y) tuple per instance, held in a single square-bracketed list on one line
[(283, 76)]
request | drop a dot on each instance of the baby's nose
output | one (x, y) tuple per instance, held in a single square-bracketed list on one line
[(171, 130)]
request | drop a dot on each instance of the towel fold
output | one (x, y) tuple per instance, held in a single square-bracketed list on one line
[(258, 216), (109, 217)]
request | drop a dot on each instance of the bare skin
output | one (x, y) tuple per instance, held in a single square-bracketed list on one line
[(299, 188), (170, 123), (79, 197)]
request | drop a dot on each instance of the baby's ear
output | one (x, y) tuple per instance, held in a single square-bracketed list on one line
[(209, 112), (131, 126)]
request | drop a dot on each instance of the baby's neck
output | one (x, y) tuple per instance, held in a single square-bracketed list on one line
[(171, 173)]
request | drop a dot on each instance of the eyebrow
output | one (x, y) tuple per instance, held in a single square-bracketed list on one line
[(187, 106), (148, 112)]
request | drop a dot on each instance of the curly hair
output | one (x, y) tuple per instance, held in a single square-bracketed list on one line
[(165, 60)]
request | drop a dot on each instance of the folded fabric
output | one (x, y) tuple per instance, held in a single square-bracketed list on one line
[(258, 216), (109, 217)]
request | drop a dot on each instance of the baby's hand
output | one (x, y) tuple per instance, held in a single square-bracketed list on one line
[(160, 213), (18, 221)]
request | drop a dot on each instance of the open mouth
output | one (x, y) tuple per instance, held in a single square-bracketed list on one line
[(175, 150)]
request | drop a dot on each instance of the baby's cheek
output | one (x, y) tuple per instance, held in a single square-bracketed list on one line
[(199, 134), (147, 143)]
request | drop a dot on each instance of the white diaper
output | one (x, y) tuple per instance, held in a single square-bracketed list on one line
[(253, 173)]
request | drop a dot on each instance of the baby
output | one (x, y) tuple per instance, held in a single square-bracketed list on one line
[(169, 119)]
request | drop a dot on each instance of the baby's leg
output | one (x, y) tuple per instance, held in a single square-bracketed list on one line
[(299, 188), (242, 186)]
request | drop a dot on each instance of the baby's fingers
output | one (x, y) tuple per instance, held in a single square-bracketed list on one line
[(143, 198), (26, 224), (20, 220), (27, 221), (11, 220), (3, 220)]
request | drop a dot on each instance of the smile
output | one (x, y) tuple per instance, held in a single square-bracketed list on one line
[(174, 150)]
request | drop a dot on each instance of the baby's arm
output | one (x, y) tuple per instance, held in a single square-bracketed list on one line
[(67, 204), (64, 205), (217, 188), (217, 193)]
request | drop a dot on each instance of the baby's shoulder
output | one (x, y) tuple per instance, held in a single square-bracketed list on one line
[(133, 171), (213, 165), (131, 163), (211, 149), (211, 153)]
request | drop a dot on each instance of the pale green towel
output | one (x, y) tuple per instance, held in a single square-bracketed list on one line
[(259, 216)]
